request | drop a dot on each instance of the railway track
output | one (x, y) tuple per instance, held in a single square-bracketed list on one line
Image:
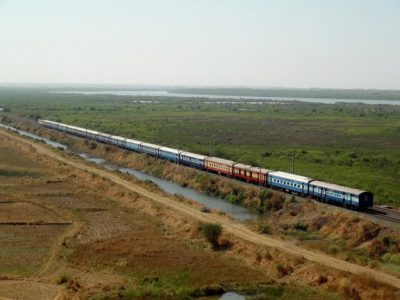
[(385, 213)]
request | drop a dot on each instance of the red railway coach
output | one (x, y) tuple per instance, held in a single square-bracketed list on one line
[(259, 175), (250, 174), (219, 165), (242, 171)]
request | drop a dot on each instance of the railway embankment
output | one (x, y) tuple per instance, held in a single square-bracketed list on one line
[(238, 230), (343, 234)]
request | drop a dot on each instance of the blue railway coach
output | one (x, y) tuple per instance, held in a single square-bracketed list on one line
[(133, 145), (91, 134), (289, 182), (169, 153), (192, 159), (118, 141), (340, 195), (149, 148)]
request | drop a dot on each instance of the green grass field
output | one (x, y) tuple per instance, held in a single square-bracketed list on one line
[(355, 145)]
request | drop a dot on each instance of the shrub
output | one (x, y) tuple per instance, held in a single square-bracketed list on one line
[(266, 154), (377, 249), (275, 202), (264, 228), (392, 258), (282, 270), (92, 145), (205, 209), (333, 249), (265, 195), (64, 278), (211, 232), (300, 226), (388, 241)]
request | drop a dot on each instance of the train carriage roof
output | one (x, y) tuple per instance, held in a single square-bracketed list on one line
[(337, 187), (48, 121), (151, 145), (117, 137), (104, 134), (194, 155), (220, 161), (257, 169), (133, 141), (242, 166), (291, 176), (92, 131), (172, 150)]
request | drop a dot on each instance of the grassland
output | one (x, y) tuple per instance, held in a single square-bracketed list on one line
[(351, 144)]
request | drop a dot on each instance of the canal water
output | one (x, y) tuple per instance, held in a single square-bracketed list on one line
[(35, 137), (232, 296), (238, 212)]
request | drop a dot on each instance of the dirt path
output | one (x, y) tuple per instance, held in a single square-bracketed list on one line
[(232, 227)]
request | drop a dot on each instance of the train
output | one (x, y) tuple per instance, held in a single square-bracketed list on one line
[(291, 183)]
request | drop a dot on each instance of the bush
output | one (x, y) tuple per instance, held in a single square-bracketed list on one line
[(205, 209), (264, 228), (265, 195), (333, 249), (392, 258), (92, 145), (64, 278), (282, 270), (300, 226), (211, 232), (275, 202)]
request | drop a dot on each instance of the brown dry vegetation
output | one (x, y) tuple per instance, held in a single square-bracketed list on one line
[(344, 234), (119, 238), (109, 244)]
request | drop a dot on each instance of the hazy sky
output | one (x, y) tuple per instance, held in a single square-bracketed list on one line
[(309, 43)]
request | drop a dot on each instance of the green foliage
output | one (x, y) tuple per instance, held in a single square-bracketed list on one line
[(212, 233), (63, 279), (235, 198), (175, 287), (300, 226), (265, 195), (14, 173), (264, 228), (393, 258), (350, 144)]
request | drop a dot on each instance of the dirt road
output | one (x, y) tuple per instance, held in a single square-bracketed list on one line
[(232, 227)]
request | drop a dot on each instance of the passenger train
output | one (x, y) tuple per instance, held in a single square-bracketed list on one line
[(292, 183)]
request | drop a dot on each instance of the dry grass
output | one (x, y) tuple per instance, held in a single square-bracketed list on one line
[(126, 237)]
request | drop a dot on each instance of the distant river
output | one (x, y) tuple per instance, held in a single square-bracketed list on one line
[(263, 99)]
